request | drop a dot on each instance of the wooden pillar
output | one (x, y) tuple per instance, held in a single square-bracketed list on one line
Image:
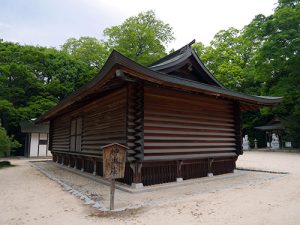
[(50, 136), (69, 160), (209, 169), (75, 162), (62, 159), (82, 164), (137, 174), (95, 166), (179, 173), (279, 133)]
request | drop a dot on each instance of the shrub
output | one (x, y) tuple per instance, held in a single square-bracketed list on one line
[(6, 143)]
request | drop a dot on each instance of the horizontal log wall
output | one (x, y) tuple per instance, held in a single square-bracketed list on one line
[(184, 126), (60, 134), (103, 122)]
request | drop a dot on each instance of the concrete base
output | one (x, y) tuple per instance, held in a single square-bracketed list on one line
[(179, 179), (82, 170), (210, 174), (94, 173), (137, 185)]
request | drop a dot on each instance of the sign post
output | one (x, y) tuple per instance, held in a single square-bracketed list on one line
[(114, 158)]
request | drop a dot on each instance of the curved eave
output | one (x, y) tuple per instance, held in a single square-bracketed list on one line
[(84, 90), (270, 127), (145, 73)]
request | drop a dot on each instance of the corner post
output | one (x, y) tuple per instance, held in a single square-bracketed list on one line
[(137, 174)]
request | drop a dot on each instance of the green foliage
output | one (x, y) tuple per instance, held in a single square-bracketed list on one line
[(262, 59), (33, 79), (5, 164), (141, 38), (223, 58), (88, 50), (6, 143)]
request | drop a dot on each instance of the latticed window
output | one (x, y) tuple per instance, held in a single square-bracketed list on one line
[(76, 131)]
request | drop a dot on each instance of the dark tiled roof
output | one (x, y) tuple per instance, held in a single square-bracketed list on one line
[(30, 127)]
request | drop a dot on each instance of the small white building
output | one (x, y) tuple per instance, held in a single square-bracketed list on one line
[(36, 142)]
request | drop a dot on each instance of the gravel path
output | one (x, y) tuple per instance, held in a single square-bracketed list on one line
[(29, 197)]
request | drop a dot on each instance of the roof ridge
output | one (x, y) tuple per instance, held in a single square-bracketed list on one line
[(180, 50)]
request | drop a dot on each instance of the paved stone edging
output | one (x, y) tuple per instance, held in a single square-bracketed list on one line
[(262, 171), (87, 200), (66, 187), (127, 188)]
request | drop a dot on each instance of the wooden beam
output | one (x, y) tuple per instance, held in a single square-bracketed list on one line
[(179, 166)]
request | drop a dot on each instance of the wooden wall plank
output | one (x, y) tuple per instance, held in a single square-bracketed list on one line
[(101, 122), (180, 125)]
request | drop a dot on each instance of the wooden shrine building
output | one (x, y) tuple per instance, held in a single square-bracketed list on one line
[(176, 119), (274, 126)]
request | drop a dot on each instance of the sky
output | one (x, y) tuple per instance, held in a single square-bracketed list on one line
[(51, 22)]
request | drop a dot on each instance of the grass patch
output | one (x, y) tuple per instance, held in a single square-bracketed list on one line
[(4, 164)]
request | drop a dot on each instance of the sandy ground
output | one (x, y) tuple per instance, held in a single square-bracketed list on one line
[(29, 197)]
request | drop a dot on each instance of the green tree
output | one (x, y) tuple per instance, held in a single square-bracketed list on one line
[(262, 59), (277, 62), (88, 50), (141, 38), (33, 79), (223, 57)]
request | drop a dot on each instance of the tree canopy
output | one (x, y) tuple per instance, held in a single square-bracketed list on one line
[(88, 50), (33, 79), (262, 59), (141, 38)]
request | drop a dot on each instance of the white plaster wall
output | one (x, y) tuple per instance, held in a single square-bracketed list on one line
[(37, 150), (34, 142), (43, 148)]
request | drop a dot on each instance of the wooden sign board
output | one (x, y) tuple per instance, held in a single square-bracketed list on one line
[(114, 158)]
